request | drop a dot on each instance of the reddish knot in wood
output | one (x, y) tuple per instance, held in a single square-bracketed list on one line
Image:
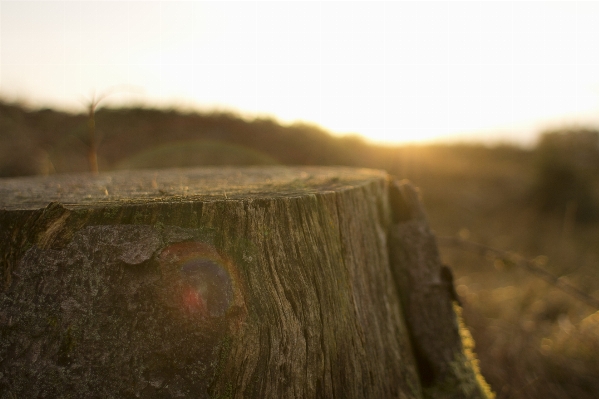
[(208, 287), (202, 278)]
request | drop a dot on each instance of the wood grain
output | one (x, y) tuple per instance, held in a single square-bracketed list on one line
[(221, 283)]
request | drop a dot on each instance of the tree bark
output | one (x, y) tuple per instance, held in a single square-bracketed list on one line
[(215, 283), (442, 346)]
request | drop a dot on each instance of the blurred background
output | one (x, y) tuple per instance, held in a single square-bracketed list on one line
[(491, 108)]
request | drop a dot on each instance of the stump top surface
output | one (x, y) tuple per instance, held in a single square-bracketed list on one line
[(176, 185)]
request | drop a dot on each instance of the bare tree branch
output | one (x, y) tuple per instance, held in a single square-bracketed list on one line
[(91, 105), (527, 264)]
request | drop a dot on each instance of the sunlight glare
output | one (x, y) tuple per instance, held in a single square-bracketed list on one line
[(392, 72)]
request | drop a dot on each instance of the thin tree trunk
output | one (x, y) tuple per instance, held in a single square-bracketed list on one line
[(92, 149)]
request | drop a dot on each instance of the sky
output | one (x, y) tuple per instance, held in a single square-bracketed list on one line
[(394, 72)]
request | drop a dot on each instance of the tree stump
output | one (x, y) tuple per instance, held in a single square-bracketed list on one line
[(224, 283)]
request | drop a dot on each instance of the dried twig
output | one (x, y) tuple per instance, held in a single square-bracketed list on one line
[(527, 264), (91, 105)]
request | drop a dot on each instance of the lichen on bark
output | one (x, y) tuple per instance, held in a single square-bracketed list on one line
[(104, 317)]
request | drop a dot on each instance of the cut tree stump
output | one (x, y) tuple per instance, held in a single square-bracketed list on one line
[(225, 283)]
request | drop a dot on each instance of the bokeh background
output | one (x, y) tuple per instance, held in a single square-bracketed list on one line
[(491, 108), (393, 72)]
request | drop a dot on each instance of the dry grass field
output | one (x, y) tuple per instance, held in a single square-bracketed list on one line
[(532, 339)]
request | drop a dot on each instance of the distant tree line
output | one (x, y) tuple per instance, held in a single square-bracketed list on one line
[(44, 141), (47, 141)]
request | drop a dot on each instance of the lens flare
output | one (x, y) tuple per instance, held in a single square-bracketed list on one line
[(209, 286), (203, 277)]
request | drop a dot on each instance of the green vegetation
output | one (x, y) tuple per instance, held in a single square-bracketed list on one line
[(532, 340)]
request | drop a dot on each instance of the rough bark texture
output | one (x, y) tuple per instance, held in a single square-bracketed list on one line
[(222, 283), (447, 368)]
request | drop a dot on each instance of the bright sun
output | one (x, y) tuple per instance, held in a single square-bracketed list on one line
[(390, 71)]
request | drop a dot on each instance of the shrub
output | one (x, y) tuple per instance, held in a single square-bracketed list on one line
[(568, 172)]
